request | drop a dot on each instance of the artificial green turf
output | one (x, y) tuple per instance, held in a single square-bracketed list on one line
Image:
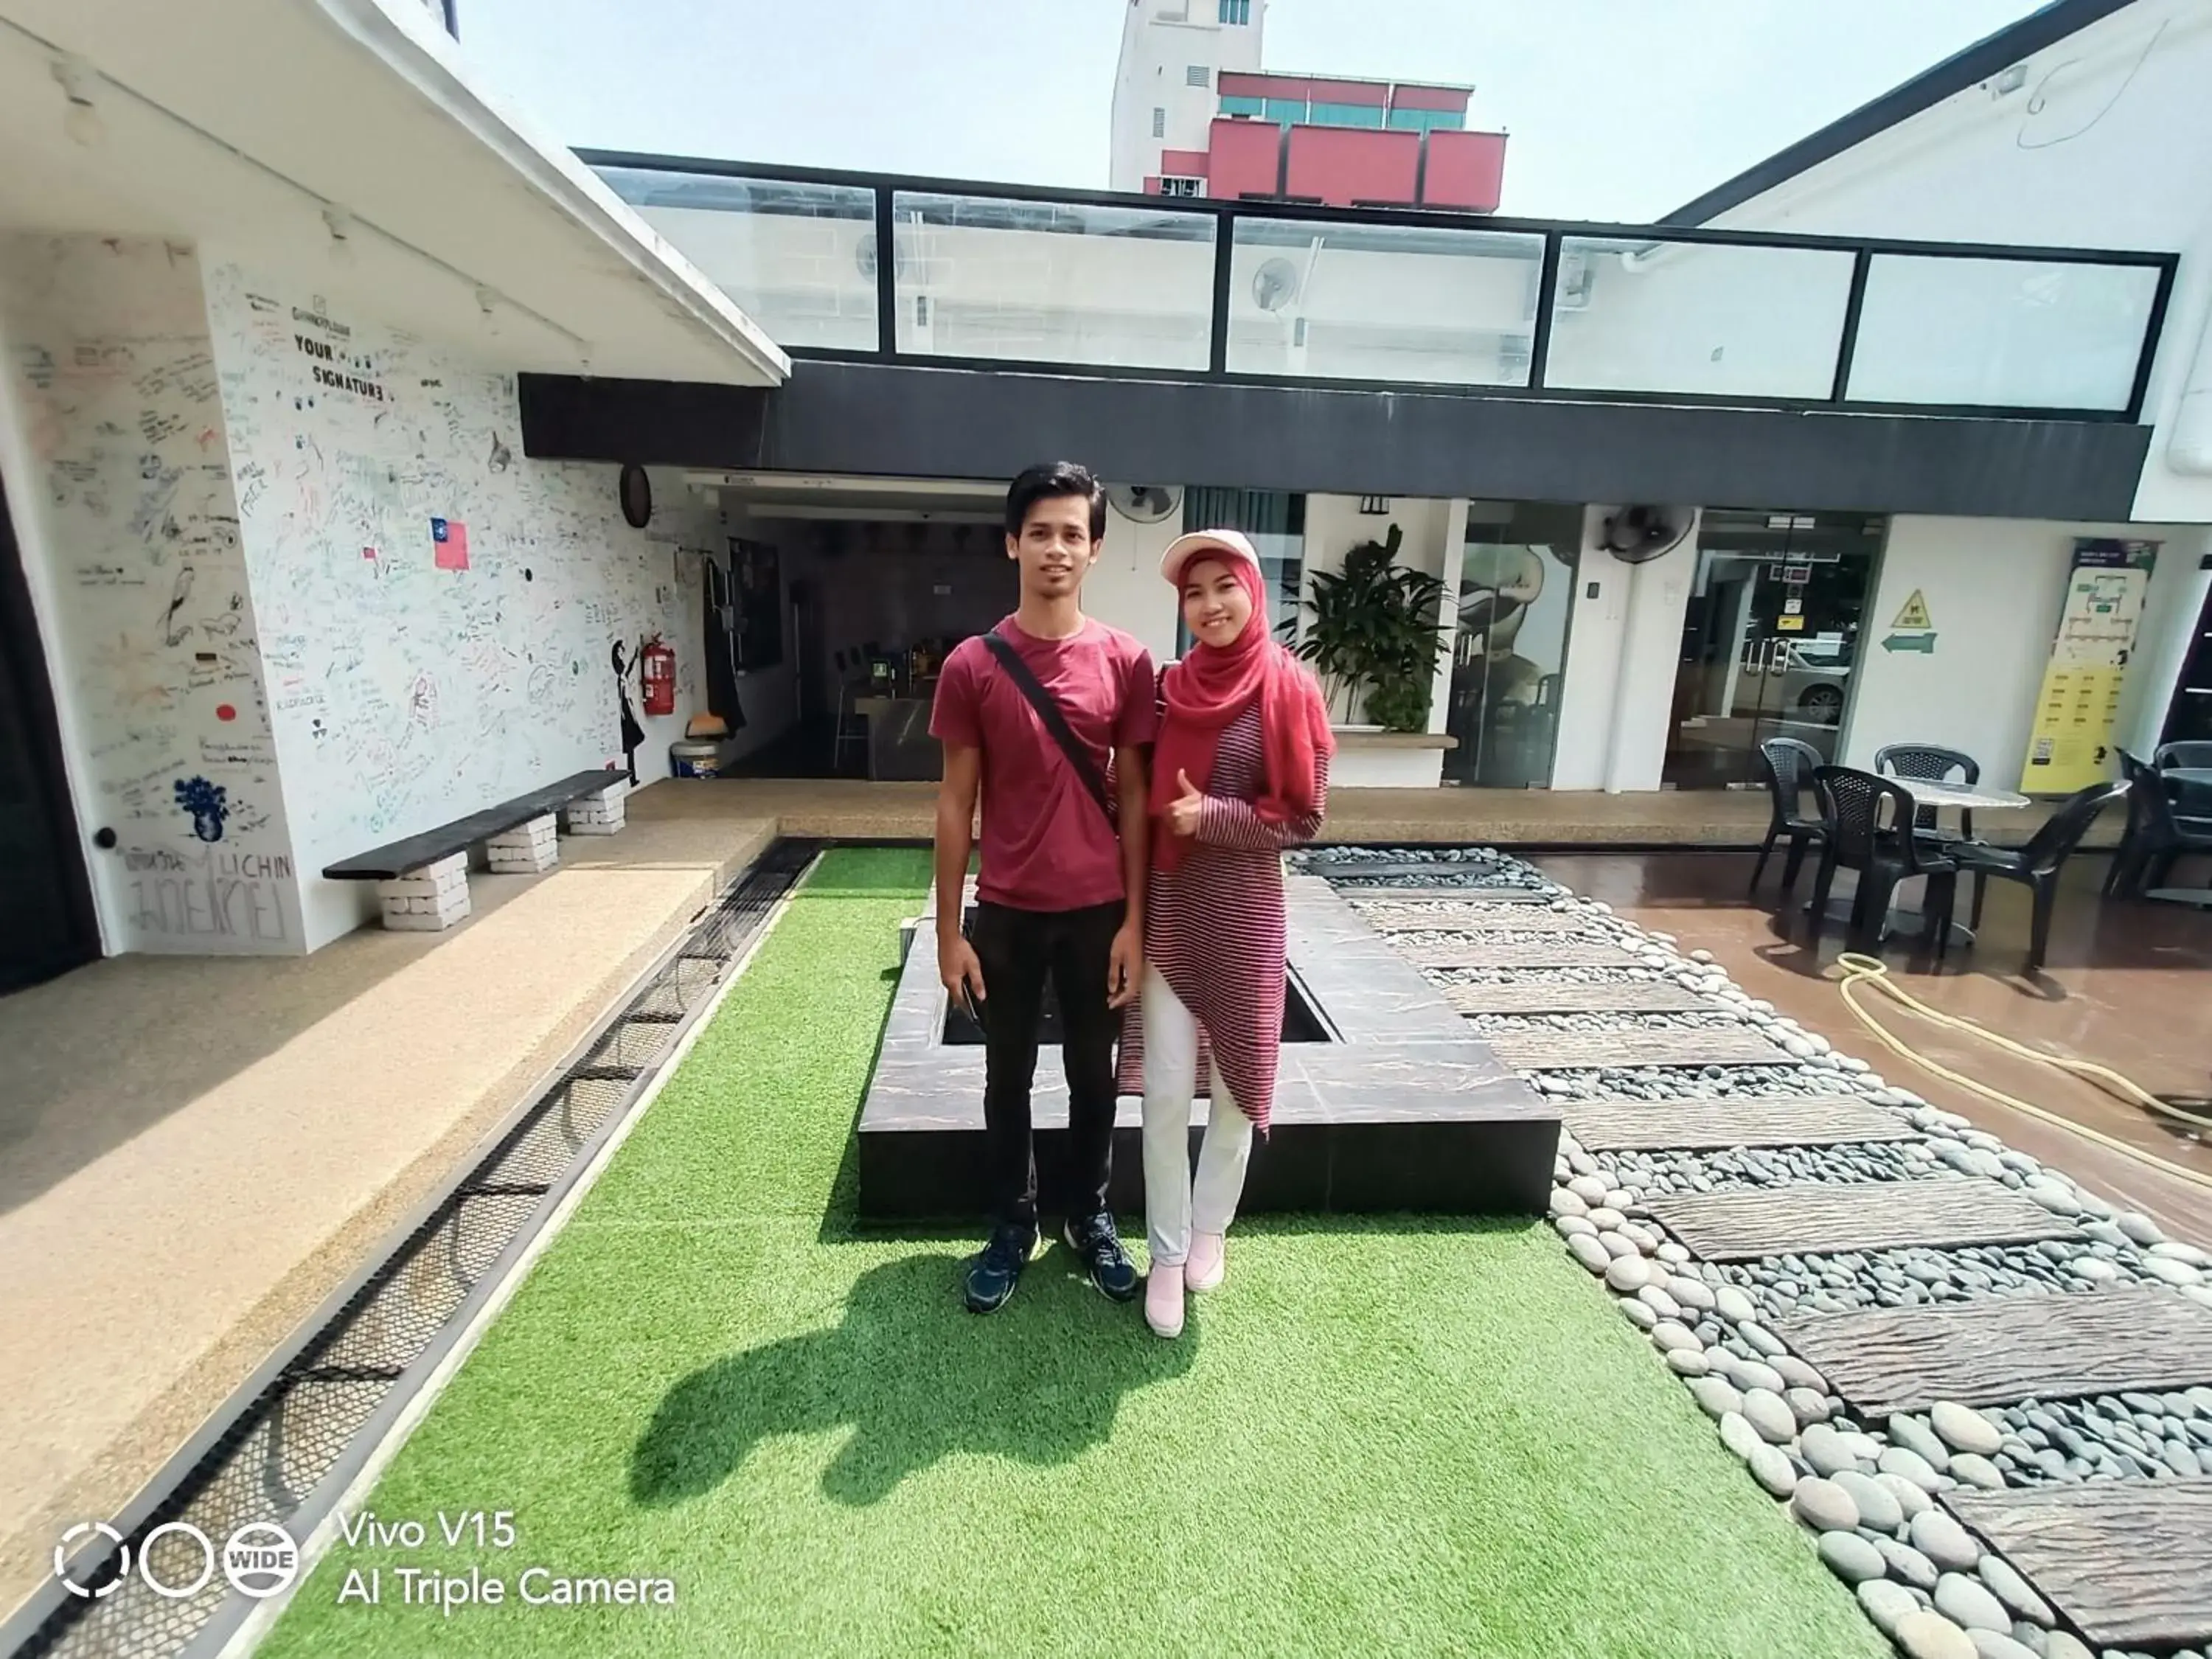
[(1391, 1435)]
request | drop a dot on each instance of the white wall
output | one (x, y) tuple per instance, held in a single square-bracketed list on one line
[(1433, 528), (1335, 526), (1361, 763), (2172, 605), (1993, 588), (119, 478), (1624, 651), (403, 694), (2104, 141), (1124, 588)]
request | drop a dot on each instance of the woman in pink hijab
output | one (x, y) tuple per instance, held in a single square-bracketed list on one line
[(1241, 773)]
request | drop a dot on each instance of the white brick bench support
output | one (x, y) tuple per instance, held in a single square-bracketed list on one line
[(599, 814), (531, 848), (429, 898)]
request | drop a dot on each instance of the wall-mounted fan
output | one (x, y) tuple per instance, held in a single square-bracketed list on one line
[(1276, 284), (1635, 535), (1143, 503), (864, 256)]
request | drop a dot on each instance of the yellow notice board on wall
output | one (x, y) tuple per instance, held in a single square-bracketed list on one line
[(2069, 746)]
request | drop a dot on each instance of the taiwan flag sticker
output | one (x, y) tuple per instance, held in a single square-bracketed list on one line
[(449, 543)]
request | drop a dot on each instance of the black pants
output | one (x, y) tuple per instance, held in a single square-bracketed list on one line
[(1018, 949)]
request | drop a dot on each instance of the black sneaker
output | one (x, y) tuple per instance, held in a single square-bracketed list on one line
[(993, 1275), (1108, 1265)]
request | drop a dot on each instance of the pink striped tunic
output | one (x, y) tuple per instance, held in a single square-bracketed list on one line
[(1215, 929)]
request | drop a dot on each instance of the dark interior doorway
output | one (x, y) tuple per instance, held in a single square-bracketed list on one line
[(1770, 640), (48, 924)]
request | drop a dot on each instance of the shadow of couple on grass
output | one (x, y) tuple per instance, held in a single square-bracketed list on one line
[(916, 1377)]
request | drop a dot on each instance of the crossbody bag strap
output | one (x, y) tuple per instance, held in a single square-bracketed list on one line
[(1055, 723)]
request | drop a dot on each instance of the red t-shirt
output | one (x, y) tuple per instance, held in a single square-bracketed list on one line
[(1046, 845)]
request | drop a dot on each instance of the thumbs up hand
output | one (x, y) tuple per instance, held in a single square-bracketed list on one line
[(1185, 810)]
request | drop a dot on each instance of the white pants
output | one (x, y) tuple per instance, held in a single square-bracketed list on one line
[(1173, 1204)]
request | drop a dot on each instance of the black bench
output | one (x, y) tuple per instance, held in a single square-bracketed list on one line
[(424, 878)]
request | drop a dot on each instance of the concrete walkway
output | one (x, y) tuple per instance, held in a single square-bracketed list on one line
[(200, 1150)]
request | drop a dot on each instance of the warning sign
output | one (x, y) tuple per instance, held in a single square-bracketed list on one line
[(1915, 613)]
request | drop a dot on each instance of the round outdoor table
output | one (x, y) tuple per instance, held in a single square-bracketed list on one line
[(1962, 797)]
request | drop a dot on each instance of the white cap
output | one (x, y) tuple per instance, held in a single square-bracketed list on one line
[(1183, 548)]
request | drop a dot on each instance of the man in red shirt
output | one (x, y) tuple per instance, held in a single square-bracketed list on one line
[(1061, 891)]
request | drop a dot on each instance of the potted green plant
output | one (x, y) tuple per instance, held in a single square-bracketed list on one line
[(1374, 638)]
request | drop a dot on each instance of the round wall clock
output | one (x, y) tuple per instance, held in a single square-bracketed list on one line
[(636, 492)]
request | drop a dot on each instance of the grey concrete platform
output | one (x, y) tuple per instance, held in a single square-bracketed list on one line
[(1401, 1108)]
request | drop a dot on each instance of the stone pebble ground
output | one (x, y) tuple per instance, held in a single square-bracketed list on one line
[(1864, 1491)]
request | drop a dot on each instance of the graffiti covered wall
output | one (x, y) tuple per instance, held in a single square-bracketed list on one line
[(130, 540), (438, 611)]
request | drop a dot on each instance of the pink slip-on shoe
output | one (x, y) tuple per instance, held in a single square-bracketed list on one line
[(1209, 1261), (1163, 1301)]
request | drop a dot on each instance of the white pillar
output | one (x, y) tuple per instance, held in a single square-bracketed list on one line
[(1651, 659), (1448, 612), (1624, 648), (2178, 585)]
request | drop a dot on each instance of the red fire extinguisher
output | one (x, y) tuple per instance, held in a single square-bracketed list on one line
[(657, 674)]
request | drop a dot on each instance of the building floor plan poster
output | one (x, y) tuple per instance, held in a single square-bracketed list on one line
[(2069, 746)]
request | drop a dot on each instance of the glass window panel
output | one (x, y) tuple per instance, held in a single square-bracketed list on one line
[(1054, 282), (1407, 303), (1413, 120), (1348, 115), (1241, 106), (798, 259), (1517, 593), (2015, 333), (1719, 318), (1287, 110)]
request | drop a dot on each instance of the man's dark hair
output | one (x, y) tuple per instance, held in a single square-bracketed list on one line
[(1047, 479)]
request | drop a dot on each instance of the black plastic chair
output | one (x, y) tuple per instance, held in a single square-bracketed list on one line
[(1790, 766), (2155, 837), (2037, 864), (1927, 763), (1856, 837)]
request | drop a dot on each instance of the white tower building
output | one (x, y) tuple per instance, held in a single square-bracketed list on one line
[(1173, 52)]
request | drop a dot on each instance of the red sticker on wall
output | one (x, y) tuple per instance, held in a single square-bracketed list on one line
[(223, 711)]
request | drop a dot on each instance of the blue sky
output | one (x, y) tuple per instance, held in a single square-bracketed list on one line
[(1618, 109)]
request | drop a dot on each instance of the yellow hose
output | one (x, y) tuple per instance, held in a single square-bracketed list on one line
[(1863, 970)]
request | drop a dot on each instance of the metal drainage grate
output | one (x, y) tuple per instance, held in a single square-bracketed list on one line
[(295, 1437)]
